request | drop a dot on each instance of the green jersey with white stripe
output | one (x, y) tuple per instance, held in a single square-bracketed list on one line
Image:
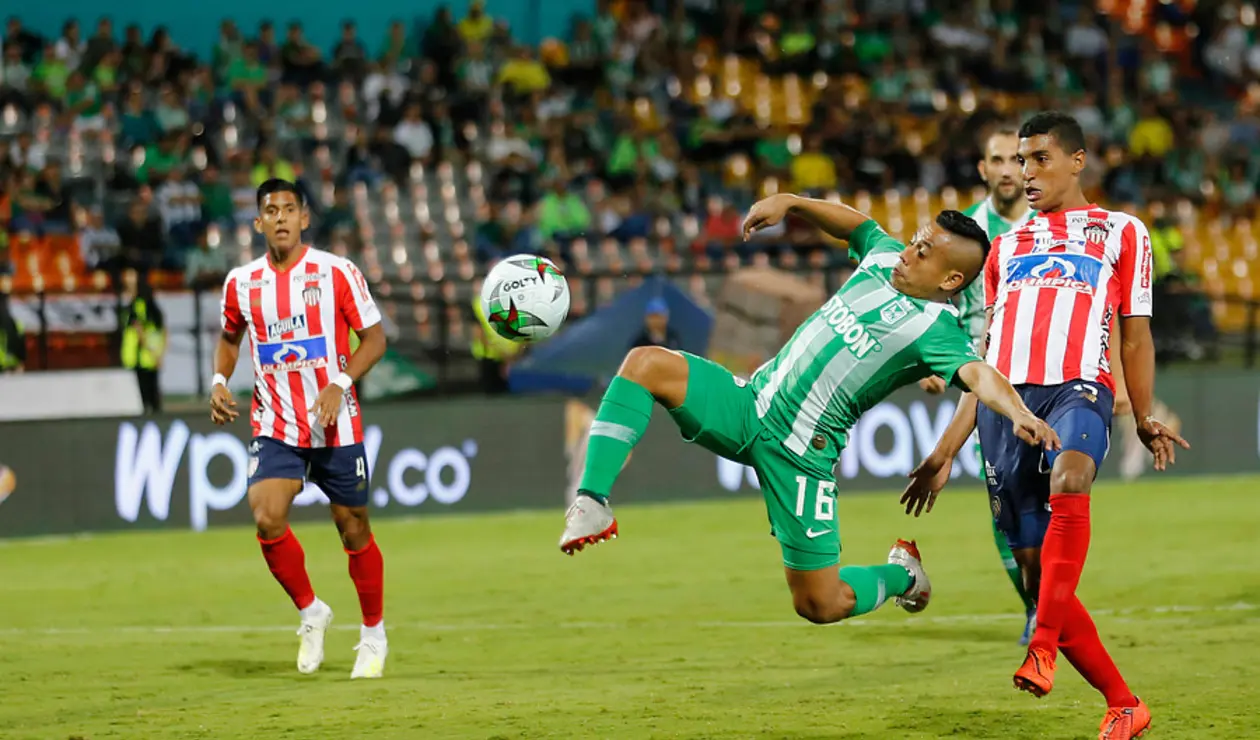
[(970, 302), (864, 343)]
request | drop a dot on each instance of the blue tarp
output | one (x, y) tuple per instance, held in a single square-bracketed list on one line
[(588, 351)]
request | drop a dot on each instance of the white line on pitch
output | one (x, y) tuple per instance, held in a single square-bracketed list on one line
[(474, 626)]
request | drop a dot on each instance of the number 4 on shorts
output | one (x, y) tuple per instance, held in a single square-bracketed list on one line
[(824, 499), (360, 468)]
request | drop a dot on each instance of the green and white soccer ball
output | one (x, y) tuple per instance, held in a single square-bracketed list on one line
[(525, 298)]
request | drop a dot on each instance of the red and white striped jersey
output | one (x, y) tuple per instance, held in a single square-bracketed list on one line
[(1055, 284), (299, 324)]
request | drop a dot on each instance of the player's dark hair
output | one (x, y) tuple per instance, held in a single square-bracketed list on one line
[(1061, 126), (276, 185), (962, 225)]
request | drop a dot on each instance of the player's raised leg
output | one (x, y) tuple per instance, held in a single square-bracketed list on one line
[(342, 473), (277, 480), (648, 375)]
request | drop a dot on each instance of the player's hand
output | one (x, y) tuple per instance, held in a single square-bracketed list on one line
[(1034, 431), (926, 481), (1161, 441), (933, 384), (222, 405), (767, 212), (328, 404), (1123, 406)]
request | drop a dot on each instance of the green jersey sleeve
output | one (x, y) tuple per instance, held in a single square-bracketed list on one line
[(869, 239), (945, 348)]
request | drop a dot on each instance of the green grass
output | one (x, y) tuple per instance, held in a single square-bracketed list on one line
[(681, 629)]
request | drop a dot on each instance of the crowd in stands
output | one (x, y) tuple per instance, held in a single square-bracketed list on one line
[(637, 139)]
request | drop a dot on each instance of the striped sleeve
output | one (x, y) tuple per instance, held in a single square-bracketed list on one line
[(230, 317), (1134, 270), (354, 300)]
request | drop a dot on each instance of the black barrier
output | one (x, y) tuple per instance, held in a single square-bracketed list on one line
[(484, 455)]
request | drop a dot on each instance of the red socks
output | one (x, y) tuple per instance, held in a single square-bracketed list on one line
[(288, 564), (1062, 559), (1082, 647), (367, 570)]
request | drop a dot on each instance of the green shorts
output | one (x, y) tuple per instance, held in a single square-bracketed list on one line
[(720, 415)]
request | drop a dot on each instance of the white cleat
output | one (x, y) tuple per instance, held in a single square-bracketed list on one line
[(906, 554), (372, 649), (315, 623), (587, 522)]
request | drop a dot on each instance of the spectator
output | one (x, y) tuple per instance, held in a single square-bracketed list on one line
[(169, 152), (398, 49), (137, 124), (270, 165), (813, 169), (217, 206), (477, 26), (414, 135), (58, 204), (51, 73), (302, 62), (247, 79), (70, 46), (15, 76), (179, 205), (656, 329), (207, 266), (100, 45), (28, 44), (441, 44), (562, 216), (141, 236), (1152, 135), (338, 220), (99, 242), (244, 194), (349, 58), (171, 111), (523, 74), (106, 75)]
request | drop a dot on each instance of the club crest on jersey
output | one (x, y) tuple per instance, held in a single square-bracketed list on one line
[(1079, 272), (1096, 232), (291, 355), (846, 325), (894, 312), (311, 295), (284, 326)]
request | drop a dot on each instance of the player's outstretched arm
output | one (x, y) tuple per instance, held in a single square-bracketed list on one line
[(1137, 351), (929, 478), (836, 219), (995, 391), (226, 354)]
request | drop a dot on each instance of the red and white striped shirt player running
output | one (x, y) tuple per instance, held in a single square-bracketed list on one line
[(298, 305)]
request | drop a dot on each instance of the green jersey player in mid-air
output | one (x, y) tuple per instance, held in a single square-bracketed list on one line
[(890, 325), (1003, 209)]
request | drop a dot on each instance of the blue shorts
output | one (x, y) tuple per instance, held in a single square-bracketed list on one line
[(340, 472), (1018, 474)]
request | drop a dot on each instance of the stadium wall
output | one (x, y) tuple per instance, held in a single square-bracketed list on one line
[(480, 455), (195, 26)]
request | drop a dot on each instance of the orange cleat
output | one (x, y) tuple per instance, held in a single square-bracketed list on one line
[(1036, 675), (1123, 723)]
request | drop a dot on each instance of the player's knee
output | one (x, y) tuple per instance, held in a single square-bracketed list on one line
[(819, 610), (1072, 478), (352, 525), (650, 367), (270, 522)]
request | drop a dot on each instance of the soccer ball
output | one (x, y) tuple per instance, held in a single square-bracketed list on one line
[(525, 298)]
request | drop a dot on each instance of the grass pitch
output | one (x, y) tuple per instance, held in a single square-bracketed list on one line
[(680, 629)]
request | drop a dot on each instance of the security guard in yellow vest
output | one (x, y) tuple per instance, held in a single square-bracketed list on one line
[(12, 340), (144, 345), (494, 354)]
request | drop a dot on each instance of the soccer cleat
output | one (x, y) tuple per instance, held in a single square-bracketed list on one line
[(906, 554), (311, 649), (371, 661), (1030, 625), (1123, 723), (1036, 675), (587, 522)]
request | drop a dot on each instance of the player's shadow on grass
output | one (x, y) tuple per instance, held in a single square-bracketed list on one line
[(241, 668)]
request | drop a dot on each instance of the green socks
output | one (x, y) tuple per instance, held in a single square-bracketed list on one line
[(622, 417), (1012, 568), (874, 584)]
